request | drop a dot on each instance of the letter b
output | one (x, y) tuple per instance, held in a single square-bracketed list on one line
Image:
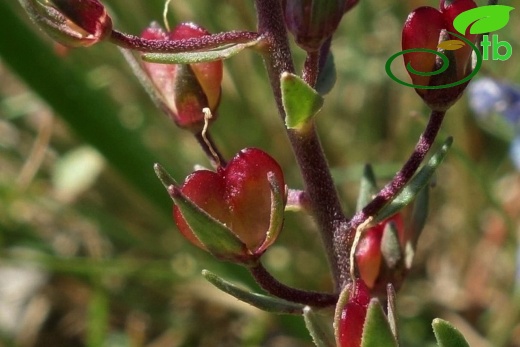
[(496, 46)]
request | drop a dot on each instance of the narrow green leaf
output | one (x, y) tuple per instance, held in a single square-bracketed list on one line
[(263, 302), (447, 335), (166, 179), (419, 213), (392, 317), (198, 57), (300, 101), (483, 19), (98, 314), (215, 236), (367, 187), (320, 328), (342, 301), (377, 331), (416, 184)]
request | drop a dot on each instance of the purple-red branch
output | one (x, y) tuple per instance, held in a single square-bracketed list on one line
[(280, 290), (311, 68), (345, 235), (185, 45), (314, 168), (210, 149)]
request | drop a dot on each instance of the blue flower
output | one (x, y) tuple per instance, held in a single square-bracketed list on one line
[(514, 152), (488, 96)]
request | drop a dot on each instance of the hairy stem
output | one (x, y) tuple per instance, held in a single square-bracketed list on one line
[(185, 45), (309, 154), (280, 290), (311, 68), (345, 234)]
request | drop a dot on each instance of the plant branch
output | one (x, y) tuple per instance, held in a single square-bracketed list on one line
[(309, 154), (185, 45), (280, 290), (210, 149), (345, 236), (311, 68)]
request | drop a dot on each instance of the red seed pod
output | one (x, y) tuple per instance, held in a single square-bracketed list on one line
[(369, 258), (185, 89), (239, 196), (72, 23), (428, 28)]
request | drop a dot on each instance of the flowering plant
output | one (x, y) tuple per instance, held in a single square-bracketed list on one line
[(236, 210)]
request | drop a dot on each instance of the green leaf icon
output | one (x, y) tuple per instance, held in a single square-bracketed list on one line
[(483, 19)]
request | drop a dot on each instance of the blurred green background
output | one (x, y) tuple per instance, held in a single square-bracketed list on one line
[(89, 254)]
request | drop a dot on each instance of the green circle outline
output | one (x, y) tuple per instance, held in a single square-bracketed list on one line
[(445, 60)]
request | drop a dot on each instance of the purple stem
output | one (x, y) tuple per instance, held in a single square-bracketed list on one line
[(309, 154), (345, 235), (211, 149), (311, 68), (280, 290), (185, 45)]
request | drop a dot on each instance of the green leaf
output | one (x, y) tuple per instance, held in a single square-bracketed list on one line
[(419, 213), (447, 335), (166, 179), (300, 101), (342, 301), (390, 248), (263, 302), (416, 184), (367, 187), (327, 76), (483, 19), (392, 317), (215, 236), (198, 57), (320, 328), (97, 317), (377, 331)]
